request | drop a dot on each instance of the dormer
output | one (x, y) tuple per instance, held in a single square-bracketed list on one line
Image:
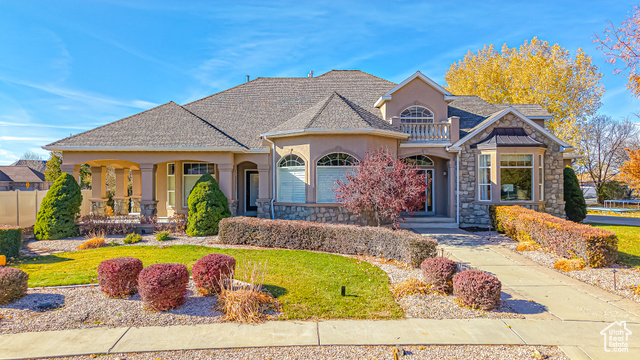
[(416, 90)]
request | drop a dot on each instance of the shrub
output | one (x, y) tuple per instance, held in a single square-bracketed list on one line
[(93, 243), (10, 240), (575, 206), (13, 284), (118, 277), (598, 247), (528, 246), (110, 225), (109, 211), (177, 224), (570, 265), (334, 238), (163, 286), (439, 271), (163, 236), (132, 238), (56, 218), (477, 289), (207, 206), (211, 270)]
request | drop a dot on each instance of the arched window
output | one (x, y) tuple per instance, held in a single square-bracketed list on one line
[(291, 184), (418, 161), (416, 115), (329, 169)]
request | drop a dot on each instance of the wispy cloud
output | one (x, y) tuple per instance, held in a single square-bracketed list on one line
[(11, 124), (7, 157), (25, 138)]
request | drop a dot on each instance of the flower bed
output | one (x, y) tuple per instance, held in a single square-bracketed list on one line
[(598, 247), (343, 239)]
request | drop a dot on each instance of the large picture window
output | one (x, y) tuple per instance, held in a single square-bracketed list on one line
[(330, 168), (190, 175), (291, 175), (516, 177), (484, 177)]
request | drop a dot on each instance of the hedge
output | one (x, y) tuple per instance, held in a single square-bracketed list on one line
[(598, 247), (10, 240), (401, 245)]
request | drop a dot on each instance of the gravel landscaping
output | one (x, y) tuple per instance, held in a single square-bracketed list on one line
[(627, 279), (431, 352)]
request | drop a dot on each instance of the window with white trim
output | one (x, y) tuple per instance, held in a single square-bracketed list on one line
[(171, 184), (416, 115), (291, 179), (330, 168), (541, 177), (516, 177), (191, 172), (418, 161), (484, 177)]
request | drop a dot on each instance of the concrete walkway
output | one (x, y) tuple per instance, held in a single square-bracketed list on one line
[(560, 311), (612, 220)]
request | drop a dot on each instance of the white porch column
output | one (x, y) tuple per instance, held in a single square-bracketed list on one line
[(148, 204), (226, 185), (121, 198), (98, 190), (69, 169)]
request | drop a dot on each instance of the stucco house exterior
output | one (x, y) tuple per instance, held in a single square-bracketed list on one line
[(276, 146)]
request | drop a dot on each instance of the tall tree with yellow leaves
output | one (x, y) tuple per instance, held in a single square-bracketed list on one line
[(536, 73), (630, 171)]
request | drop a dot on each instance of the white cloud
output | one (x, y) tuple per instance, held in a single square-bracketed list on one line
[(25, 138)]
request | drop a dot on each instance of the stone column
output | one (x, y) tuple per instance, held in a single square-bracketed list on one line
[(264, 192), (226, 185), (148, 203), (136, 193), (451, 173), (121, 198), (98, 191)]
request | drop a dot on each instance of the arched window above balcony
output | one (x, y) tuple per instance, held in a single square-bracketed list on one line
[(416, 115)]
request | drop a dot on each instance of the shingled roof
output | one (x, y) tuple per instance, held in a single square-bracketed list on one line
[(20, 174), (235, 118)]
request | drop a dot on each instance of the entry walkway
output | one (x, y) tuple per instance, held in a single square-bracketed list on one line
[(566, 313)]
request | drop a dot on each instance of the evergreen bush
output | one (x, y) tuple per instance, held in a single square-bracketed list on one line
[(10, 240), (59, 210), (575, 207), (207, 206)]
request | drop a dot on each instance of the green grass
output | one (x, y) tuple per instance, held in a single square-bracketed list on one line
[(628, 243), (308, 284)]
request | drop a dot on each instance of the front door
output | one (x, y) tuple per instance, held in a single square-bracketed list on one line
[(428, 207), (251, 191)]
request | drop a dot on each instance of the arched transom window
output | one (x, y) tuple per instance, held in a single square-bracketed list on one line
[(418, 160), (330, 168), (291, 179), (416, 115)]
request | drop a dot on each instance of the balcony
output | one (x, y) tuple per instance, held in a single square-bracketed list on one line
[(425, 132)]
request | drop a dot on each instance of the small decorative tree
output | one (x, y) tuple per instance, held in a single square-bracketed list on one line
[(59, 210), (382, 185), (207, 206), (575, 206)]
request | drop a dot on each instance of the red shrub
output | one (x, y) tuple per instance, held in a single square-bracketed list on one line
[(598, 247), (13, 284), (439, 271), (163, 286), (210, 270), (477, 289), (118, 277)]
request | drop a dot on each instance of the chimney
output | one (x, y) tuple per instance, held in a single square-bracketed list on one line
[(247, 78), (310, 74)]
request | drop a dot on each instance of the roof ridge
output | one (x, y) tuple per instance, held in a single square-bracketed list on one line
[(210, 124), (324, 106), (351, 106), (225, 90), (356, 70)]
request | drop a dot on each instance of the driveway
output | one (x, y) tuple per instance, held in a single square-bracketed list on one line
[(612, 220)]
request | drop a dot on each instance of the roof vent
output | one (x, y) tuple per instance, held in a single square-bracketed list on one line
[(310, 74), (247, 78)]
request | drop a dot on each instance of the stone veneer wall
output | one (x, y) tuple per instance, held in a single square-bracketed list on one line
[(473, 213), (333, 214)]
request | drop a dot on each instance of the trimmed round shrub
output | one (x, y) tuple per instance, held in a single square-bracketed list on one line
[(118, 277), (163, 286), (56, 218), (13, 284), (207, 206), (209, 271), (477, 289), (10, 240), (439, 271), (575, 206)]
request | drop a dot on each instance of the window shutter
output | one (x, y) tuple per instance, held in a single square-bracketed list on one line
[(327, 177), (291, 185)]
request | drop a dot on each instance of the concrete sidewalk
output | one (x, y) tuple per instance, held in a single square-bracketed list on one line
[(572, 336)]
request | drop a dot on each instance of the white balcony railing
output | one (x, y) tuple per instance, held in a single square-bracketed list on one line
[(428, 132)]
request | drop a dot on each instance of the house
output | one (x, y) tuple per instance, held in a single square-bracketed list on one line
[(276, 145), (22, 177)]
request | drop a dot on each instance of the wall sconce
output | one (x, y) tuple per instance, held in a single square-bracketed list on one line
[(445, 173)]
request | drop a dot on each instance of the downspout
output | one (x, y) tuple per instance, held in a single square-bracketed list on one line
[(273, 172)]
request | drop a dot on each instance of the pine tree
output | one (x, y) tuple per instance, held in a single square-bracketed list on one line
[(207, 206), (56, 218), (575, 206)]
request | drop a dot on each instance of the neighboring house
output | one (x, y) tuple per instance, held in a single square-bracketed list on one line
[(37, 165), (18, 177), (276, 145)]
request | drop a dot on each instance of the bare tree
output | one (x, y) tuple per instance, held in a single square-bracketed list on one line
[(30, 155), (603, 146)]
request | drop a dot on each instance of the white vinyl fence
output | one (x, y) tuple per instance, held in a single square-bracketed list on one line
[(21, 207)]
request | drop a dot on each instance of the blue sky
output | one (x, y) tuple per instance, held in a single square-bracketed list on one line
[(69, 66)]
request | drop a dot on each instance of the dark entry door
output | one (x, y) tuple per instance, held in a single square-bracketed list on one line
[(251, 191)]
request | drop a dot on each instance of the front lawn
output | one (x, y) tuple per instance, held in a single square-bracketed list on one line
[(308, 284), (628, 243)]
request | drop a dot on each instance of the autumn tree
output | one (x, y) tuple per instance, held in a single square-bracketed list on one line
[(383, 186), (623, 44), (537, 73), (604, 149), (630, 170)]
